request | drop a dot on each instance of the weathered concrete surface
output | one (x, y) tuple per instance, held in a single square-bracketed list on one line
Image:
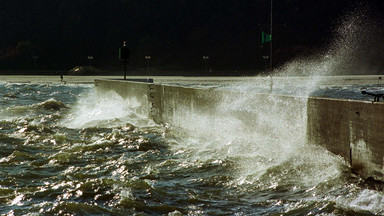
[(351, 129)]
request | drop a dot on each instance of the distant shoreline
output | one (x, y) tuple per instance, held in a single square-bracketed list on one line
[(132, 72), (53, 79)]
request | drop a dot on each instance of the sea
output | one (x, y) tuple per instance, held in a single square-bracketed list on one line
[(69, 149)]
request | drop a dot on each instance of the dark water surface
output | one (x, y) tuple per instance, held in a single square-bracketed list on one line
[(69, 150)]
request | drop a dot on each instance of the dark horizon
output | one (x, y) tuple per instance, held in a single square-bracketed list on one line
[(59, 35)]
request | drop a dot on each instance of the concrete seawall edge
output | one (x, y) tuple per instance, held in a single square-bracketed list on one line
[(349, 128)]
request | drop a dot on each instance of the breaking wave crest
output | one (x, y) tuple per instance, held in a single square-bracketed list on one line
[(105, 109)]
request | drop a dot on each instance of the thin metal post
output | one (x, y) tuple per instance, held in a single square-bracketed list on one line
[(148, 58), (206, 59), (271, 48), (125, 70), (124, 56)]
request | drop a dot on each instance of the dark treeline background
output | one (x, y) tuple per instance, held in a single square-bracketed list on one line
[(59, 35)]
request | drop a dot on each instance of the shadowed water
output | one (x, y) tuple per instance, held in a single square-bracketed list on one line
[(67, 149)]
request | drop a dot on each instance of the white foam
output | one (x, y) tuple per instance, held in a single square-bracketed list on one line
[(104, 109), (366, 200), (267, 137)]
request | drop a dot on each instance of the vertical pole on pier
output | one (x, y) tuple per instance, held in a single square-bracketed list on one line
[(271, 45), (206, 59), (124, 56), (125, 70)]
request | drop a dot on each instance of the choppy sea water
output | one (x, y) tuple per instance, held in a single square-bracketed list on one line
[(70, 150)]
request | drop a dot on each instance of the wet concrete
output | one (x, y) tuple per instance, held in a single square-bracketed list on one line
[(349, 128)]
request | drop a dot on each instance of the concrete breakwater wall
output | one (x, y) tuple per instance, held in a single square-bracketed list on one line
[(351, 129)]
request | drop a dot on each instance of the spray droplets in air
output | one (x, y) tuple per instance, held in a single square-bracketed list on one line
[(354, 48), (266, 134), (104, 109), (358, 42)]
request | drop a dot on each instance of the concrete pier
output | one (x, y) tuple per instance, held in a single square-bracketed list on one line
[(352, 129), (349, 128)]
